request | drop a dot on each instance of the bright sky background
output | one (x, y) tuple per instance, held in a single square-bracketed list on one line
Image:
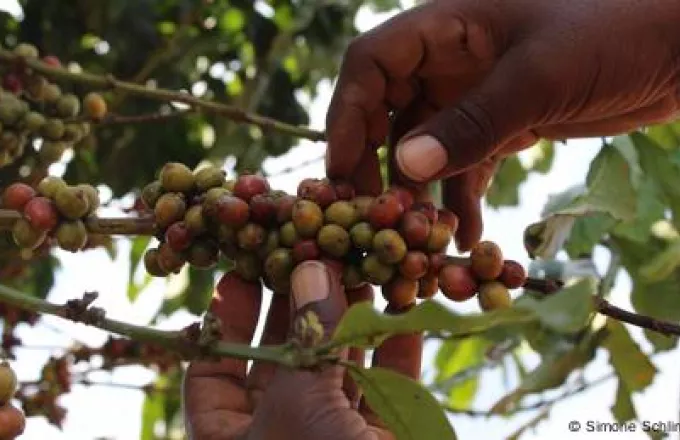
[(114, 413)]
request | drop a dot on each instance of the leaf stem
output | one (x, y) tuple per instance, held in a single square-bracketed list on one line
[(109, 82)]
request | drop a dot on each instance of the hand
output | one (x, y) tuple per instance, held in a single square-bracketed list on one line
[(223, 401), (470, 82), (12, 422)]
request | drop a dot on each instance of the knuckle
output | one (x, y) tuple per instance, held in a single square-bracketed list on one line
[(472, 124)]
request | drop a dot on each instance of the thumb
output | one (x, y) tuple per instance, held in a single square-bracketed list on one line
[(318, 300), (508, 102)]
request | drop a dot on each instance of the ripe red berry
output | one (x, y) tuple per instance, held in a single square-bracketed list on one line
[(178, 236), (306, 250), (385, 211), (304, 189), (448, 218), (263, 209), (428, 209), (400, 292), (414, 265), (404, 196), (322, 193), (232, 211), (284, 208), (51, 60), (436, 262), (17, 195), (415, 228), (513, 275), (249, 185), (457, 282), (41, 213), (427, 287), (344, 190), (486, 261), (12, 83)]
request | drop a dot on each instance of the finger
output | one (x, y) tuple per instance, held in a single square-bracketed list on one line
[(213, 388), (366, 179), (402, 354), (485, 118), (356, 355), (275, 332), (12, 422)]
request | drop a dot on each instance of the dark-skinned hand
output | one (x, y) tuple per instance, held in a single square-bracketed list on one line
[(460, 84), (225, 401)]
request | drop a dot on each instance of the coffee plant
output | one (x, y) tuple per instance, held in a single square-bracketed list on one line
[(72, 131)]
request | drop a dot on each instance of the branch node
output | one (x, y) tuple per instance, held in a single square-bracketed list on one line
[(79, 310)]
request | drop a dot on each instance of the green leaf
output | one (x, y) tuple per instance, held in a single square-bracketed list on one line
[(623, 409), (586, 233), (363, 326), (232, 20), (667, 136), (660, 341), (153, 411), (406, 407), (663, 264), (504, 189), (453, 357), (542, 156), (633, 367), (566, 311)]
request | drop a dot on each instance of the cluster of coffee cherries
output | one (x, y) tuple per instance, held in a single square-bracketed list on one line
[(390, 240), (11, 420), (54, 209), (31, 108)]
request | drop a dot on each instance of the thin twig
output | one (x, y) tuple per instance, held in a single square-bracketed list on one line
[(642, 321), (113, 119), (109, 82)]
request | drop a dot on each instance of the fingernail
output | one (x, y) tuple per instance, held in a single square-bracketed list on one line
[(311, 283), (421, 157)]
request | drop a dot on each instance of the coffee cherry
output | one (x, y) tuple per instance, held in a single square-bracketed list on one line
[(35, 87), (72, 202), (51, 151), (194, 220), (448, 218), (169, 260), (389, 246), (211, 199), (440, 237), (414, 265), (288, 235), (341, 213), (203, 254), (271, 243), (49, 186), (17, 195), (151, 264), (68, 106), (344, 190), (8, 383), (51, 93), (457, 282), (415, 228), (248, 266), (232, 211), (71, 235), (249, 185), (51, 60), (307, 218), (323, 194), (41, 213), (400, 292), (352, 277), (493, 296), (513, 275), (362, 205), (428, 209), (33, 122), (333, 240), (375, 271), (304, 189), (209, 177), (436, 262), (176, 177), (362, 236), (427, 287), (26, 50), (178, 236), (12, 83), (385, 211), (92, 196), (151, 193), (226, 234), (404, 196), (263, 209), (486, 261), (251, 237), (306, 250), (170, 208), (278, 268), (26, 236), (284, 208), (12, 422), (94, 105)]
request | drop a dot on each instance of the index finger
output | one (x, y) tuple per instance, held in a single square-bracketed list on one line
[(371, 80)]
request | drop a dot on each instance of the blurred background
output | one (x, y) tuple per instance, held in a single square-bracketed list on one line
[(280, 58)]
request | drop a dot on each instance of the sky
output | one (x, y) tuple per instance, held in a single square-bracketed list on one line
[(114, 413)]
